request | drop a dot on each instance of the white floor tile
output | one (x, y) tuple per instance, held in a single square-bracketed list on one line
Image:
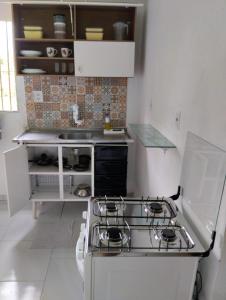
[(73, 211), (4, 215), (50, 212), (62, 281), (20, 263), (20, 290), (24, 228), (3, 230), (63, 253)]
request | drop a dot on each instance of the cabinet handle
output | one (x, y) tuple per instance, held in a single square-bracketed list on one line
[(80, 69)]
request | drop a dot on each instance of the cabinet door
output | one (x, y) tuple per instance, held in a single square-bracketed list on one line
[(104, 59), (17, 178)]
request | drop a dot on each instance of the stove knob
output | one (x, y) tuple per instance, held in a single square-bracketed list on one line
[(84, 215)]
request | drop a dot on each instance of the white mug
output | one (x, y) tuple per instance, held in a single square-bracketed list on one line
[(66, 52), (51, 51)]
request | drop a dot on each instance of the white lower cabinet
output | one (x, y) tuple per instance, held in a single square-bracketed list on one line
[(133, 278), (45, 172)]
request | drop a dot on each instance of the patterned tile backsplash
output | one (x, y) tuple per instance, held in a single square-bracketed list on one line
[(49, 100)]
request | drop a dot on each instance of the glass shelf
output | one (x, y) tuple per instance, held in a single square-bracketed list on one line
[(150, 137)]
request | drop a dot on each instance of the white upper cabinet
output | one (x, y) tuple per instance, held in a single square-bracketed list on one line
[(104, 59), (113, 55)]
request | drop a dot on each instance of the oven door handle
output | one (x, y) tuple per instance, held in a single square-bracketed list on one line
[(79, 253)]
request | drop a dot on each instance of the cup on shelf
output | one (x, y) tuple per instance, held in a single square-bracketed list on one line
[(66, 52), (51, 52)]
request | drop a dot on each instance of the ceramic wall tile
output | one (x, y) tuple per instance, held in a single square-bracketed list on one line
[(49, 101)]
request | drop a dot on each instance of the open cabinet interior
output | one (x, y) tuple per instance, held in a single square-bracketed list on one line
[(43, 16), (103, 17)]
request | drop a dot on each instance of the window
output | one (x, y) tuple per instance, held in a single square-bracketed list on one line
[(8, 100)]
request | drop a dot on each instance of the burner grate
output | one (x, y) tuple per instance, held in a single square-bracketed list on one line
[(157, 208)]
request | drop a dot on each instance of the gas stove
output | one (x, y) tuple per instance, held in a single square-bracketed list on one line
[(130, 246), (126, 226)]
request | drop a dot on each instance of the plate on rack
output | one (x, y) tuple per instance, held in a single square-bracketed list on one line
[(33, 71), (30, 53)]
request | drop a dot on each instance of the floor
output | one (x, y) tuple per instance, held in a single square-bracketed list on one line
[(37, 260)]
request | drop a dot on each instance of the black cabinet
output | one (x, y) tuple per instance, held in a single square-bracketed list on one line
[(111, 169)]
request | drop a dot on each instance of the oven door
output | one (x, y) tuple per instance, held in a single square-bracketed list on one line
[(79, 251)]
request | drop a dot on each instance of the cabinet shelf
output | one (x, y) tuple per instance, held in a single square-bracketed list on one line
[(45, 58), (43, 170), (45, 193), (71, 172), (44, 40), (72, 197)]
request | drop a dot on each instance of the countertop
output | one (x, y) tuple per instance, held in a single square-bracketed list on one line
[(52, 137), (150, 137)]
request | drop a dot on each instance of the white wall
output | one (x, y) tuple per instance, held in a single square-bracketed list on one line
[(184, 70)]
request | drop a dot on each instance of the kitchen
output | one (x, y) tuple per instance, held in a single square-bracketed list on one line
[(178, 87)]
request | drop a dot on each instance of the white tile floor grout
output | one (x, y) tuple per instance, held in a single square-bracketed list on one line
[(37, 259)]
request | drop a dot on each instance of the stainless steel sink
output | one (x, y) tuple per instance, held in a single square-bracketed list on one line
[(76, 136)]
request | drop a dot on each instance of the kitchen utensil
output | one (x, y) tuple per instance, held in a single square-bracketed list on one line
[(121, 30), (44, 160), (82, 190), (66, 52), (51, 52), (32, 71), (30, 53), (81, 168), (84, 159), (75, 155)]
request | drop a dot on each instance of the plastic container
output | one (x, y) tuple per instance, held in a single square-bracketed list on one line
[(59, 26), (60, 34), (59, 18), (94, 36), (33, 34)]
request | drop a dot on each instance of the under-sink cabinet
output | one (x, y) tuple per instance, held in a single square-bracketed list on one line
[(47, 172)]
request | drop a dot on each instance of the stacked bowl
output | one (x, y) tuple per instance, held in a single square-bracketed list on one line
[(59, 26)]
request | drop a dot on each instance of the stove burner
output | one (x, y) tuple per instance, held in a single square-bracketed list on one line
[(114, 234), (111, 207), (168, 235), (113, 237), (156, 207)]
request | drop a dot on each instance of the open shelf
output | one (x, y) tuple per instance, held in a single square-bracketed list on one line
[(44, 58), (45, 193), (104, 17), (72, 197), (71, 172), (46, 170), (41, 15), (44, 40)]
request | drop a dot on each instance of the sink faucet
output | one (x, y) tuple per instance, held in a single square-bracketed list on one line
[(75, 114)]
